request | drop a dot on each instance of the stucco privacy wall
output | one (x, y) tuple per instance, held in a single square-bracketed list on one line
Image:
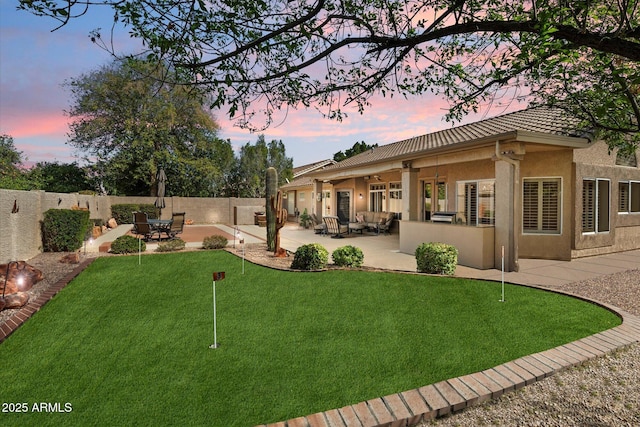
[(20, 233), (20, 227)]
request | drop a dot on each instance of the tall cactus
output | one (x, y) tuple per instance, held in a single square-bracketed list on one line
[(272, 189)]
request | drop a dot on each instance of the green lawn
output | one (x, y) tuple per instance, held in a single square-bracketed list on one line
[(128, 344)]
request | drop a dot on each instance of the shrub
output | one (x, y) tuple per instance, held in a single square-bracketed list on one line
[(171, 246), (123, 213), (312, 256), (64, 230), (436, 258), (214, 242), (348, 256), (127, 245)]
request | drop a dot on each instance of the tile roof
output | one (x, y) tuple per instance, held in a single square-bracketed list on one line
[(550, 121)]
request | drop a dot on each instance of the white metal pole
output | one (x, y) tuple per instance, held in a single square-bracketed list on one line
[(215, 332), (502, 300), (139, 250)]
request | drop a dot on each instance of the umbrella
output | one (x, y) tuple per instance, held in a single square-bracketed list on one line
[(161, 180)]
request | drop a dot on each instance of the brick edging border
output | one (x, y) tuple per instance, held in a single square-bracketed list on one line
[(32, 307), (425, 403)]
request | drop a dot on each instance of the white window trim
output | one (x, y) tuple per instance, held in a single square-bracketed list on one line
[(628, 182), (597, 209), (560, 206), (476, 181)]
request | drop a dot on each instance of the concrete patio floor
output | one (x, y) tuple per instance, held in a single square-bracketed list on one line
[(381, 251)]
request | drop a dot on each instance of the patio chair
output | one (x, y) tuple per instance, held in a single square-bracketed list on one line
[(334, 227), (385, 224), (177, 224), (141, 226), (319, 227)]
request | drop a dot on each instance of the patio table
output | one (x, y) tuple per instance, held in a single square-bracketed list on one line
[(161, 226)]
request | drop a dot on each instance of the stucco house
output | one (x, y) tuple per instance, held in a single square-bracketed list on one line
[(525, 184), (299, 194)]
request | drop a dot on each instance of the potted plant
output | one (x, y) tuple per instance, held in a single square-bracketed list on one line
[(305, 219)]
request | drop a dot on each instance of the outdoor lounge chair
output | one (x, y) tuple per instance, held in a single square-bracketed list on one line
[(334, 227), (319, 227), (177, 224)]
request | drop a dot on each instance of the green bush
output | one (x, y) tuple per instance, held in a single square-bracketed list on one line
[(171, 246), (64, 230), (123, 213), (436, 258), (127, 245), (312, 256), (214, 242), (348, 256)]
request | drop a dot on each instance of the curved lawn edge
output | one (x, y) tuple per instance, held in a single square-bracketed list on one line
[(431, 401), (435, 400)]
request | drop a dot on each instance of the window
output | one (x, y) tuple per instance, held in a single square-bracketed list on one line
[(377, 194), (476, 202), (395, 198), (301, 196), (541, 205), (427, 203), (595, 205), (629, 197)]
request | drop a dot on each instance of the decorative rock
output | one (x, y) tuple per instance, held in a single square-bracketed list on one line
[(2, 303), (112, 223), (16, 300), (72, 258), (22, 277)]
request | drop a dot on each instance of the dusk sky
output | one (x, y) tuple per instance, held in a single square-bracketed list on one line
[(34, 62)]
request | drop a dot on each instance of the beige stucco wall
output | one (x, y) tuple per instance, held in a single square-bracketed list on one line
[(475, 244), (597, 162), (550, 164), (21, 235)]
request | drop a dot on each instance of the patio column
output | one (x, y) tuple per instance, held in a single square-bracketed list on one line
[(507, 210), (317, 202), (410, 195)]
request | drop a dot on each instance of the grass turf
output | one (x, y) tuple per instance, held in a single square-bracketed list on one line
[(128, 344)]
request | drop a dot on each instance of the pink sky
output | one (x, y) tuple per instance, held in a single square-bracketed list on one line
[(34, 63)]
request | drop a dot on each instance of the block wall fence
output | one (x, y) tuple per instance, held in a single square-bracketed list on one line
[(22, 212)]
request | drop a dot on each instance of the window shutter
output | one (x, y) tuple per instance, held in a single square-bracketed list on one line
[(588, 206), (550, 206), (530, 206)]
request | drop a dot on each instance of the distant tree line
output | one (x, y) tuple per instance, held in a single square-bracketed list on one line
[(129, 123)]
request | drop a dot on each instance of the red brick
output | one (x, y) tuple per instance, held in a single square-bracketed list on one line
[(586, 346), (576, 352), (456, 401), (526, 376), (334, 419), (380, 411), (499, 379), (552, 365), (349, 416), (435, 400), (599, 344), (317, 420), (483, 392), (561, 357), (297, 422), (417, 406), (495, 388), (515, 379), (581, 348), (364, 414), (533, 365), (398, 408), (464, 390)]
